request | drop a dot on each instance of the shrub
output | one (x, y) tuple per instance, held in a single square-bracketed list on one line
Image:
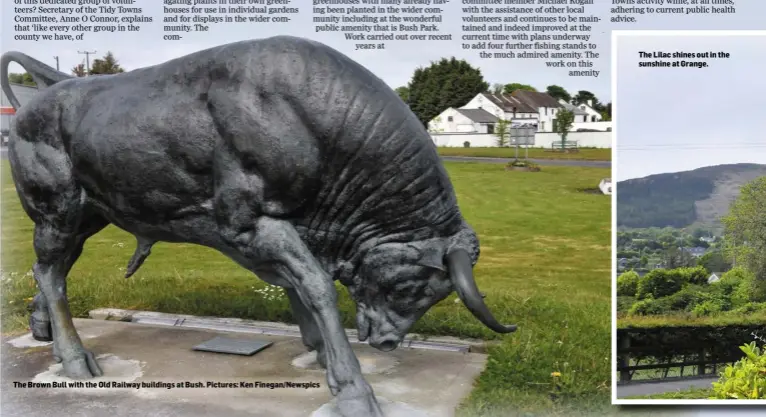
[(744, 290), (627, 284), (707, 308), (687, 298), (650, 307), (659, 283), (625, 303), (697, 275), (466, 144), (750, 308), (746, 379)]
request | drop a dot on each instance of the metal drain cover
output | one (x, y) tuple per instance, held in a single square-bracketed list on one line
[(245, 347)]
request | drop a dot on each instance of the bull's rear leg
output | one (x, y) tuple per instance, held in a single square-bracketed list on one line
[(39, 320), (310, 334), (56, 247)]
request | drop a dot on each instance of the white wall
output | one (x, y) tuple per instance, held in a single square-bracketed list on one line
[(603, 126), (459, 123), (455, 140), (542, 140)]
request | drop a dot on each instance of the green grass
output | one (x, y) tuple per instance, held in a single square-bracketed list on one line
[(589, 154), (545, 265), (690, 394)]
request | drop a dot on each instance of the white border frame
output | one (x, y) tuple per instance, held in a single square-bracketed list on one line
[(616, 34)]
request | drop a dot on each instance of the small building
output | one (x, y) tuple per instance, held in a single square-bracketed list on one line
[(714, 277), (455, 120), (606, 186)]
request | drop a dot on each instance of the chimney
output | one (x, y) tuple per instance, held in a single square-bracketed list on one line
[(590, 103)]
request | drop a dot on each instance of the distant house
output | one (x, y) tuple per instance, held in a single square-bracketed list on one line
[(591, 114), (622, 263), (708, 239), (714, 277), (606, 186), (695, 252), (455, 120), (580, 115), (528, 109)]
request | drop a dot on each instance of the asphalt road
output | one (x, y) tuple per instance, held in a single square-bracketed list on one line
[(544, 162), (650, 388)]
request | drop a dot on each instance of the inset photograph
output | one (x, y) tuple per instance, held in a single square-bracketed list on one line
[(690, 191)]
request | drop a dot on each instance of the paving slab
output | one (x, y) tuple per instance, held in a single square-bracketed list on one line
[(142, 362)]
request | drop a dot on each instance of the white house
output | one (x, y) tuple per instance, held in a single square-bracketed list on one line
[(586, 112), (714, 277), (544, 104), (455, 120), (606, 186)]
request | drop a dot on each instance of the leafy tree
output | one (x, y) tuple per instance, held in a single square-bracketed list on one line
[(564, 120), (497, 88), (676, 258), (714, 261), (106, 65), (444, 84), (583, 96), (79, 70), (627, 284), (559, 93), (403, 92), (24, 78), (503, 133), (510, 88), (745, 229), (606, 114)]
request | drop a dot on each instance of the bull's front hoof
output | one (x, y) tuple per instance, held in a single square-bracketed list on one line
[(358, 400), (82, 365), (41, 328)]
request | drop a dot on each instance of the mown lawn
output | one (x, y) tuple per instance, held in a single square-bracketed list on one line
[(589, 154), (545, 265)]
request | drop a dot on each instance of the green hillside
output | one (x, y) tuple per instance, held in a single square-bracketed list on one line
[(681, 199)]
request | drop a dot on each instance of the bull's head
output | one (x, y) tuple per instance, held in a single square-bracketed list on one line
[(399, 282)]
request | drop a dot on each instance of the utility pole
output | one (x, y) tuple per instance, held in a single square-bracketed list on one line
[(87, 60), (57, 62)]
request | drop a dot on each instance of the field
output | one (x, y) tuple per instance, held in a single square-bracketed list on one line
[(589, 154), (545, 265)]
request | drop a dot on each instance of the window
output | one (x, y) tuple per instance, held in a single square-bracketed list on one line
[(546, 111), (490, 128), (585, 118), (593, 118), (542, 126), (449, 118)]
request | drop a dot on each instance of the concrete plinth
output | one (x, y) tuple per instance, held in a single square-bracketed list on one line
[(150, 370)]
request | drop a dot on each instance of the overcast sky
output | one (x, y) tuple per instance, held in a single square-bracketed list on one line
[(678, 119), (394, 65)]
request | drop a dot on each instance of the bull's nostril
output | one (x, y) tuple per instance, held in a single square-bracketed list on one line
[(387, 345)]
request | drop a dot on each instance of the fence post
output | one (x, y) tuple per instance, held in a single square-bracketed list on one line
[(701, 367), (623, 359)]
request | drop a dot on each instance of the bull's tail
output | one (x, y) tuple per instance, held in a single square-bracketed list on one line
[(43, 75)]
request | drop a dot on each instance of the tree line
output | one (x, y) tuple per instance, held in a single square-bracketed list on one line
[(107, 64)]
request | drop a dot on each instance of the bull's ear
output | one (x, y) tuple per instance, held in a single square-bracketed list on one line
[(432, 257)]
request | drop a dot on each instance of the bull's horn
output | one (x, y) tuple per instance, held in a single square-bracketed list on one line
[(461, 273)]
